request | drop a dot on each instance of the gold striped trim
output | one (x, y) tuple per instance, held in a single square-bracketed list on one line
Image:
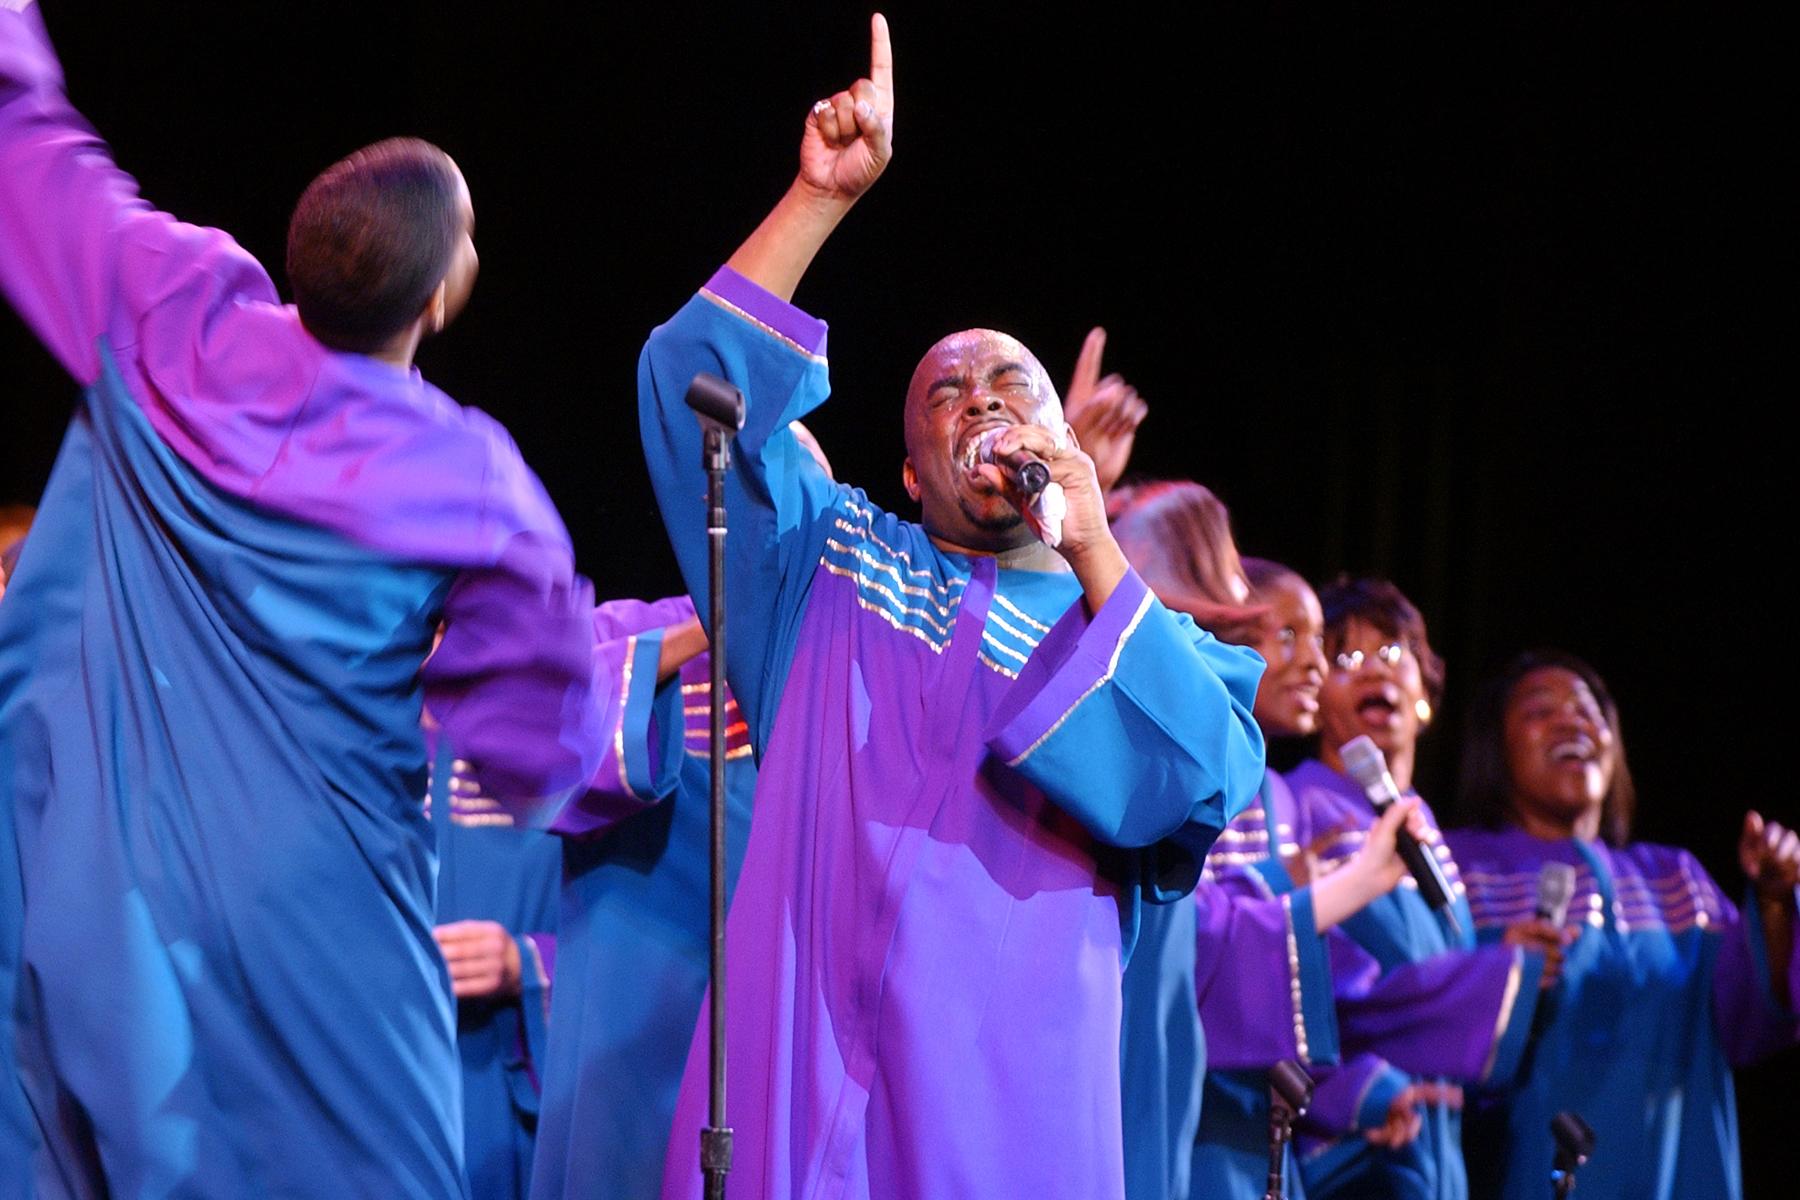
[(1001, 646), (869, 533), (702, 710), (736, 752), (863, 556), (988, 662), (881, 589), (784, 339), (1020, 613), (1023, 637), (480, 818), (886, 614), (624, 699), (1294, 990)]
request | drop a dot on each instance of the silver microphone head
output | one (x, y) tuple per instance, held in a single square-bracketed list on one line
[(1555, 888), (1365, 762)]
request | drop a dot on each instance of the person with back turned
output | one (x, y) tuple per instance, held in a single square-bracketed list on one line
[(217, 970), (978, 753)]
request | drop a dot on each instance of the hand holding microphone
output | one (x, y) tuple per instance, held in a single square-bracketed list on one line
[(1027, 472), (1368, 766), (1544, 931)]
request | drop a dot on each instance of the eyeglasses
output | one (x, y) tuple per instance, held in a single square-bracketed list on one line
[(1287, 643), (1352, 661)]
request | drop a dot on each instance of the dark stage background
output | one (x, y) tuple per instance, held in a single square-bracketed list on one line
[(1479, 304)]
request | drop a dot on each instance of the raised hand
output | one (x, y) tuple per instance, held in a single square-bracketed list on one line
[(849, 137), (1105, 413), (1770, 855)]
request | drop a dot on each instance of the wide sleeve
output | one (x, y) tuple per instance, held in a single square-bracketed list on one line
[(1138, 724), (81, 254), (1750, 1021), (516, 685), (641, 755), (1463, 1014), (778, 499), (1263, 978), (1354, 1097)]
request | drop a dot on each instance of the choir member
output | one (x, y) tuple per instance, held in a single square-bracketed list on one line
[(1668, 986), (977, 751)]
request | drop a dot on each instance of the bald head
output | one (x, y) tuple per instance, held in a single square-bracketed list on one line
[(968, 383), (948, 364)]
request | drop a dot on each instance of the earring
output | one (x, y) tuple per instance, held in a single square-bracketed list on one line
[(1423, 709)]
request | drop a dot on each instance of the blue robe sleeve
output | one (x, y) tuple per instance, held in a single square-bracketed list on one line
[(1138, 724), (778, 500)]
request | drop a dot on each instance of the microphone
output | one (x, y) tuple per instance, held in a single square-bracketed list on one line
[(1368, 766), (1030, 474), (1555, 888)]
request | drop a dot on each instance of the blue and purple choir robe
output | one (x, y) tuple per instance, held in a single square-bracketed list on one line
[(1414, 999), (1162, 1054), (217, 954), (1249, 952), (490, 868), (1264, 993), (634, 923), (1665, 989), (968, 781)]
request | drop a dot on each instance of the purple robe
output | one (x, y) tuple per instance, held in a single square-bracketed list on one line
[(1413, 1000), (967, 781)]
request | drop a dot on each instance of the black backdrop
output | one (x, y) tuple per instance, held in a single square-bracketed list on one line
[(1483, 304)]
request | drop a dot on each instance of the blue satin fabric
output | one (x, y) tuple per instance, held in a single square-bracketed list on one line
[(218, 968)]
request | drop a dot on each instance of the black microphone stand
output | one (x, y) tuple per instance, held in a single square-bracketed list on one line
[(1574, 1144), (1290, 1091), (721, 410)]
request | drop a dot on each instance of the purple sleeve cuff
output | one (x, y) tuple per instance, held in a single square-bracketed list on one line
[(1045, 693), (1751, 1020), (806, 332), (1353, 1097)]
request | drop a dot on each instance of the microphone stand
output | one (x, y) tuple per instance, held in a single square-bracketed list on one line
[(721, 411), (1290, 1092), (1574, 1143)]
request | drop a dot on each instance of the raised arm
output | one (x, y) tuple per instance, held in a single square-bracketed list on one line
[(846, 145), (742, 328), (81, 254)]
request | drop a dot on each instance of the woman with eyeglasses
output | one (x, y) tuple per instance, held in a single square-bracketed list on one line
[(1668, 987), (1249, 944), (1431, 1011)]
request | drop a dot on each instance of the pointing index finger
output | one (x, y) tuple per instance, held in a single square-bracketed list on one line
[(881, 57)]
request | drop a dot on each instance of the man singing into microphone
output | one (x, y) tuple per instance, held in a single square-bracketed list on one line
[(978, 752)]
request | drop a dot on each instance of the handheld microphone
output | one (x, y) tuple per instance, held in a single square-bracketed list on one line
[(1368, 766), (1555, 888), (1030, 474)]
